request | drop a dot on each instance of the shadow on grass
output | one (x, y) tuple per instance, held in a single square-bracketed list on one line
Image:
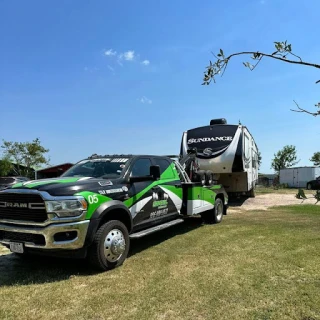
[(15, 270), (138, 245), (237, 201)]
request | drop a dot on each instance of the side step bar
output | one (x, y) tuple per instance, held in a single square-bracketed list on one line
[(143, 233)]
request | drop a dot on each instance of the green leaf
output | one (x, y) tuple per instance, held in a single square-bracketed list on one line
[(221, 52)]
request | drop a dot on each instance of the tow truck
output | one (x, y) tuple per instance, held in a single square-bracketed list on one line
[(95, 208)]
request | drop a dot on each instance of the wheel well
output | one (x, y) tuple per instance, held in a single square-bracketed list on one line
[(120, 215)]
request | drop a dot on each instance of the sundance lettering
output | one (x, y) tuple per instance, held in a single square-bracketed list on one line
[(207, 139)]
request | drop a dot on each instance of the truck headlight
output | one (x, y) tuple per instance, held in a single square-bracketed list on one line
[(66, 208)]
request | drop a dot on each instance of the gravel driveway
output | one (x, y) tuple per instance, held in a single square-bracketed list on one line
[(264, 201)]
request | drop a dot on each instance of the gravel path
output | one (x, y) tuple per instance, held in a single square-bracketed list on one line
[(264, 201)]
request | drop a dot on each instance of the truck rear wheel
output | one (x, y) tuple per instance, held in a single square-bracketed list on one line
[(215, 215), (110, 246)]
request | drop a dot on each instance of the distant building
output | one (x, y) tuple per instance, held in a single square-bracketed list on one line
[(54, 171), (266, 179)]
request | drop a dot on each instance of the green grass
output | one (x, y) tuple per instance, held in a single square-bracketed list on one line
[(254, 265)]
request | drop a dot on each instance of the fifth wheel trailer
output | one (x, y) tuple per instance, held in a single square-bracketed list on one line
[(299, 176), (229, 151)]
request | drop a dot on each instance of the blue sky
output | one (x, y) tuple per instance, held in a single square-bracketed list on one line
[(106, 77)]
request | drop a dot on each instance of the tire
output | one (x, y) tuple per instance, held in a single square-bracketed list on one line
[(201, 177), (110, 246), (309, 186), (209, 178), (215, 215)]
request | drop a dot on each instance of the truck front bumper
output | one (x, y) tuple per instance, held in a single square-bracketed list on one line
[(66, 236)]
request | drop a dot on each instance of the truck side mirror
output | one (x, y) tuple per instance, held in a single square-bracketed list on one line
[(155, 172)]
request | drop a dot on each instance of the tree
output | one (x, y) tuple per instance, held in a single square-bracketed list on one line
[(5, 166), (259, 159), (25, 155), (284, 158), (316, 159), (281, 53)]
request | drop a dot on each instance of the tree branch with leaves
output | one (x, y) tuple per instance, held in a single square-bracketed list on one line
[(284, 158), (316, 159), (25, 155), (283, 52)]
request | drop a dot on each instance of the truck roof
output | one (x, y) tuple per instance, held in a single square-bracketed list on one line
[(128, 156)]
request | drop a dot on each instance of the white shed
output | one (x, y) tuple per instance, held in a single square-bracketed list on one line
[(299, 176)]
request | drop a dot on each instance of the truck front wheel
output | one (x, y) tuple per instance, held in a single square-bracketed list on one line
[(110, 246)]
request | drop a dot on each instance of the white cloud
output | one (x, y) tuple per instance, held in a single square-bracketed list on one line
[(110, 52), (90, 69), (122, 57), (128, 55), (145, 62), (145, 100)]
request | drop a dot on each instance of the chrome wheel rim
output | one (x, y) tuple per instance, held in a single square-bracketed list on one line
[(219, 211), (114, 245)]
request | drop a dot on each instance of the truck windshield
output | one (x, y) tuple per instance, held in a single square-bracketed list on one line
[(101, 168)]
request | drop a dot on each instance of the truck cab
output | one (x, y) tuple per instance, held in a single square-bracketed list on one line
[(95, 208)]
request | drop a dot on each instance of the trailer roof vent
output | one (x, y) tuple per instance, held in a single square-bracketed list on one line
[(218, 121)]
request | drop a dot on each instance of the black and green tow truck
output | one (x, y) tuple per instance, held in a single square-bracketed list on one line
[(95, 208)]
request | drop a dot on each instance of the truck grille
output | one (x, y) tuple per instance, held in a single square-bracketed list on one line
[(22, 207), (22, 237)]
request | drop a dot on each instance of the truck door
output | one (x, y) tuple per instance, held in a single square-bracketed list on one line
[(140, 192), (169, 191)]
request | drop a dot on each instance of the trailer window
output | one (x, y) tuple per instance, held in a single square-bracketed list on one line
[(246, 147)]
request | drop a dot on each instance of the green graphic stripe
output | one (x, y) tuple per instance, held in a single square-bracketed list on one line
[(170, 173), (94, 200), (173, 189), (39, 183), (128, 203)]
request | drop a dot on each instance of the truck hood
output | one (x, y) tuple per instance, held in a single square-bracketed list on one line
[(68, 185)]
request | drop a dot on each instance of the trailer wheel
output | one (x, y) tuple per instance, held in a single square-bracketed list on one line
[(215, 215), (110, 246), (209, 178), (201, 177)]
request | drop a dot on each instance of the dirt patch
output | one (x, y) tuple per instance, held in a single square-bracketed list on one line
[(265, 201)]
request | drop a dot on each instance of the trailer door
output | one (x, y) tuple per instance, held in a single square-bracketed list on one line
[(296, 178)]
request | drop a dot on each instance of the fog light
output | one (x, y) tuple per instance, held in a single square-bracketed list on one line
[(65, 236)]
